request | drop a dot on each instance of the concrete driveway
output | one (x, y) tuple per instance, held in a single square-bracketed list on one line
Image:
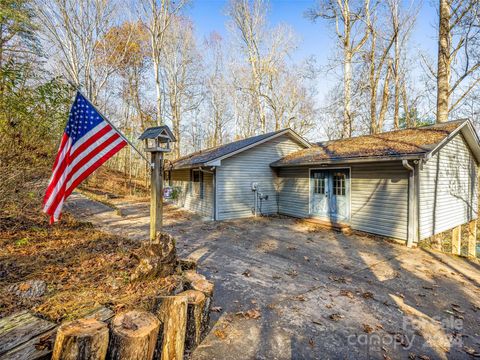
[(288, 290)]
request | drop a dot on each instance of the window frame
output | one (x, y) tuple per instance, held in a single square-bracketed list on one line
[(197, 183)]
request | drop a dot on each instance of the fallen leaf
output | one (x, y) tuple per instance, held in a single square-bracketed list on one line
[(253, 314), (311, 342), (247, 273), (423, 357), (216, 309), (367, 295), (128, 323), (220, 334), (471, 351), (367, 328), (346, 293), (24, 287), (299, 298), (336, 317)]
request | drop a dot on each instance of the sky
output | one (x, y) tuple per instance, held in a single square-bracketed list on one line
[(316, 38)]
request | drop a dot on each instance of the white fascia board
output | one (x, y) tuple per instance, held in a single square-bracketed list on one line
[(217, 161)]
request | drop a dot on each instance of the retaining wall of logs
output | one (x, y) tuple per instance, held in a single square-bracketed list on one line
[(176, 326)]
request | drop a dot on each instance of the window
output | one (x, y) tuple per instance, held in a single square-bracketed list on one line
[(339, 180), (197, 183), (319, 183)]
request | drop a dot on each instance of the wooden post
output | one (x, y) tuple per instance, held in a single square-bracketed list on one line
[(81, 339), (156, 196), (472, 238), (172, 313), (134, 336), (457, 240)]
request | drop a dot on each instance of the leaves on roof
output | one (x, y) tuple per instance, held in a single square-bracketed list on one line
[(393, 143)]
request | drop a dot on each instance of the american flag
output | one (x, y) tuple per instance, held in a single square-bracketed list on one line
[(88, 141)]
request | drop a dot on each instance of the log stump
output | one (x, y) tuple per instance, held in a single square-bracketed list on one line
[(172, 313), (84, 339), (206, 287), (134, 336), (195, 318), (191, 276), (157, 259), (187, 264)]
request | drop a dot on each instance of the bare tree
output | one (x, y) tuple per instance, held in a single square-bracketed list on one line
[(458, 53), (158, 15), (402, 21), (248, 23), (216, 89), (351, 21), (72, 30), (181, 69)]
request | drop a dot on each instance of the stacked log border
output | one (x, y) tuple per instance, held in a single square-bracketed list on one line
[(176, 327)]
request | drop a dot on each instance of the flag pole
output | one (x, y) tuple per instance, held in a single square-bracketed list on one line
[(77, 88)]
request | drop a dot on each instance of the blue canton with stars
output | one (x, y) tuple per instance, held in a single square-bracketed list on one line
[(83, 118)]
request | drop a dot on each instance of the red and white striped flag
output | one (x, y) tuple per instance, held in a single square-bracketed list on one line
[(88, 141)]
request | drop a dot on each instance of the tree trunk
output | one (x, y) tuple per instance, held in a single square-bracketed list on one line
[(195, 318), (373, 87), (406, 109), (347, 115), (134, 336), (385, 98), (396, 74), (81, 339), (443, 71), (172, 313)]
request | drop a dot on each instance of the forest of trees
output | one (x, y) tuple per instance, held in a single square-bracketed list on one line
[(142, 64)]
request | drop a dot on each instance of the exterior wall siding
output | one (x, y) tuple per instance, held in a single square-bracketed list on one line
[(294, 191), (235, 198), (448, 192), (188, 199), (378, 203), (379, 199)]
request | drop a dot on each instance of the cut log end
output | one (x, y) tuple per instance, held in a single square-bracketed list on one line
[(191, 276), (194, 297), (81, 339), (134, 335), (135, 324), (204, 286)]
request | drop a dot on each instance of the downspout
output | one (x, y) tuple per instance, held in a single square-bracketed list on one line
[(412, 204)]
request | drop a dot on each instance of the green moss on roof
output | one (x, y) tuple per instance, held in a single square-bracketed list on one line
[(389, 144)]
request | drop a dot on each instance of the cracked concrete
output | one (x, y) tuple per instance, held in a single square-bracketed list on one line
[(321, 294)]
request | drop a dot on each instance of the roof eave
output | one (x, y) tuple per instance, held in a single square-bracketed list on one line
[(370, 159), (217, 160)]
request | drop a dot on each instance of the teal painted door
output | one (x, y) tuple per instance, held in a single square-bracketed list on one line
[(319, 190), (330, 194)]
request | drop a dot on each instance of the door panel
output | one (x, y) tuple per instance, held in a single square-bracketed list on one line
[(319, 189), (330, 194), (339, 197)]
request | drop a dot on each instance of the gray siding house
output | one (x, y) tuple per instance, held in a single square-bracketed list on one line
[(406, 184)]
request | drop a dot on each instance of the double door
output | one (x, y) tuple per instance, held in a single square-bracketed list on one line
[(330, 194)]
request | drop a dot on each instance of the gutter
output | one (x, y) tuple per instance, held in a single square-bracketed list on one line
[(415, 156)]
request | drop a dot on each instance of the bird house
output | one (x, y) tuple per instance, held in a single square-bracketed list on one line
[(158, 139)]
